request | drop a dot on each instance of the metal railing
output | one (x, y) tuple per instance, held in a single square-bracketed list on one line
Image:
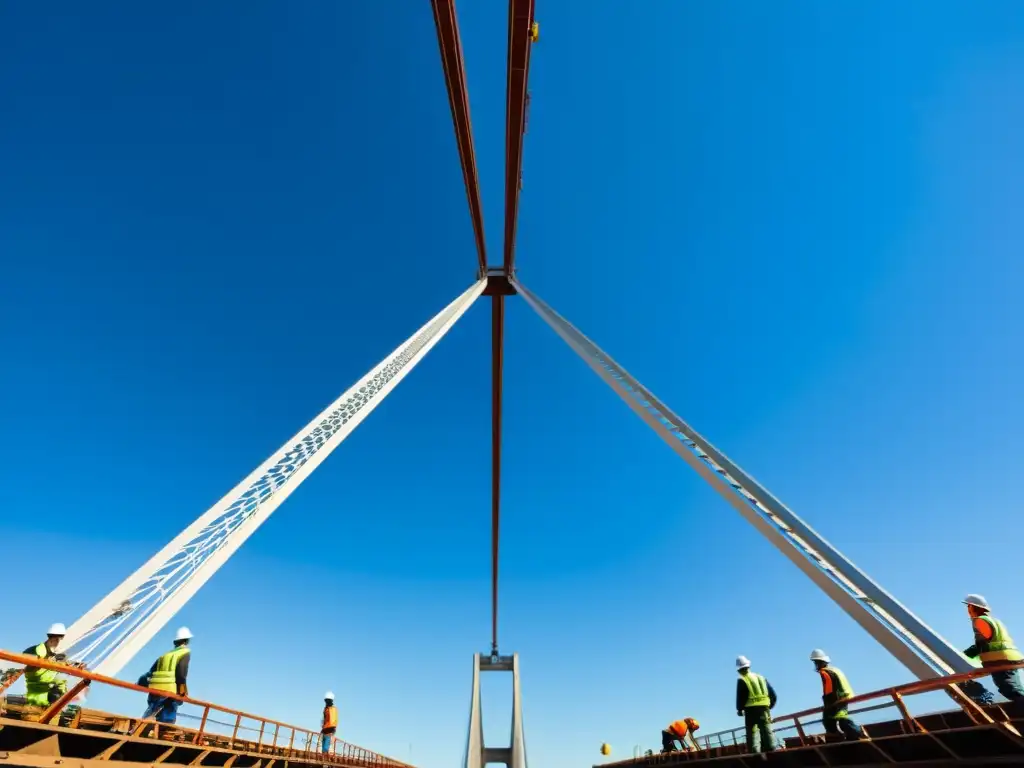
[(798, 724), (229, 728)]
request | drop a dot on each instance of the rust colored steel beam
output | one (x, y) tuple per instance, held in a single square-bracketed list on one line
[(520, 19), (351, 755), (458, 99), (497, 364)]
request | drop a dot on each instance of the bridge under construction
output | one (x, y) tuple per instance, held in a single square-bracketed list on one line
[(106, 637)]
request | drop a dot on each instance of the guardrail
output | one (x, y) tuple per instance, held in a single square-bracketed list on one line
[(798, 722), (273, 736)]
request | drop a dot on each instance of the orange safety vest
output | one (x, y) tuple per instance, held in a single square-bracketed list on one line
[(679, 728), (330, 717)]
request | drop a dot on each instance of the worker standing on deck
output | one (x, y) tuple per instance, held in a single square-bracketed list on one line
[(169, 673), (330, 722), (678, 731), (995, 647), (755, 698), (45, 686), (835, 690)]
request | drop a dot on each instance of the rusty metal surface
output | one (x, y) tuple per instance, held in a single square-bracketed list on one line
[(497, 365), (100, 736), (458, 99), (520, 17), (970, 735)]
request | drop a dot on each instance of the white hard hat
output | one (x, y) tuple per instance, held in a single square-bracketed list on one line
[(183, 634), (819, 655), (329, 695), (57, 629), (976, 600), (742, 662)]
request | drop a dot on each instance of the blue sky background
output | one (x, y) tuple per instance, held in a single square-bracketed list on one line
[(799, 225)]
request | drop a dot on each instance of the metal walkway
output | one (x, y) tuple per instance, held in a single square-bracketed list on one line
[(970, 735), (73, 737)]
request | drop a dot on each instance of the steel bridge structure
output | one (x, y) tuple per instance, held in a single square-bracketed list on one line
[(122, 622)]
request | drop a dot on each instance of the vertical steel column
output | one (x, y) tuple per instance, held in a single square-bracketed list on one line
[(903, 634), (117, 627)]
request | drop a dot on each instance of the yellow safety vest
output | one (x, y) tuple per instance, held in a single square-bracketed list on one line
[(757, 690), (39, 681), (163, 678), (1000, 649)]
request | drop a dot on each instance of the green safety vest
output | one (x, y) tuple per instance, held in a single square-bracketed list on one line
[(39, 682), (757, 690), (1000, 648), (162, 678)]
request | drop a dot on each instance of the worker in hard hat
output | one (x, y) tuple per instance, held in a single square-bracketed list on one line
[(995, 648), (835, 690), (755, 698), (678, 731), (329, 724), (45, 686), (169, 674)]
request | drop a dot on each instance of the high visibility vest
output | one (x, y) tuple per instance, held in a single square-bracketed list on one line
[(163, 678), (37, 680), (1000, 649), (757, 690), (330, 717), (841, 690), (679, 728)]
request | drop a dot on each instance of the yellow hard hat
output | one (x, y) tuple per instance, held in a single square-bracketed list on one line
[(606, 749)]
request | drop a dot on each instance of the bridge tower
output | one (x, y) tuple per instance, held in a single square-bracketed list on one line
[(478, 754)]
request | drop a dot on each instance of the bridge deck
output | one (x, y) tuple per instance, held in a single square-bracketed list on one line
[(970, 735), (65, 735)]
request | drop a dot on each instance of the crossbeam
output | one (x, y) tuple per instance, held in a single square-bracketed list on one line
[(920, 648)]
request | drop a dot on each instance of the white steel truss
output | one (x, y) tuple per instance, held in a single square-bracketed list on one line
[(117, 627), (904, 635)]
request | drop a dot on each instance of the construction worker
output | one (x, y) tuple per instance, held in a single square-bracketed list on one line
[(330, 722), (995, 648), (169, 673), (755, 698), (835, 690), (45, 686), (678, 731)]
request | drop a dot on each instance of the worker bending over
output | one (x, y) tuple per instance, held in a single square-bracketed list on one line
[(330, 722), (45, 686), (835, 690), (755, 698), (169, 673), (678, 731), (995, 647)]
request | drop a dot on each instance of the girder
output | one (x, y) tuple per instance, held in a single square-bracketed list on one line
[(904, 635), (111, 632)]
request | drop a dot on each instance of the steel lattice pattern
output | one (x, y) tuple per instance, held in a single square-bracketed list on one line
[(99, 641)]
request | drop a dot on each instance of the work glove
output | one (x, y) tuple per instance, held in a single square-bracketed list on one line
[(183, 690), (739, 713)]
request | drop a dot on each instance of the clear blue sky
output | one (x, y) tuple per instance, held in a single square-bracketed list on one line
[(799, 225)]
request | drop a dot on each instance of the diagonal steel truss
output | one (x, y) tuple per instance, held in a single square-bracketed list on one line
[(109, 634), (118, 626), (904, 635)]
